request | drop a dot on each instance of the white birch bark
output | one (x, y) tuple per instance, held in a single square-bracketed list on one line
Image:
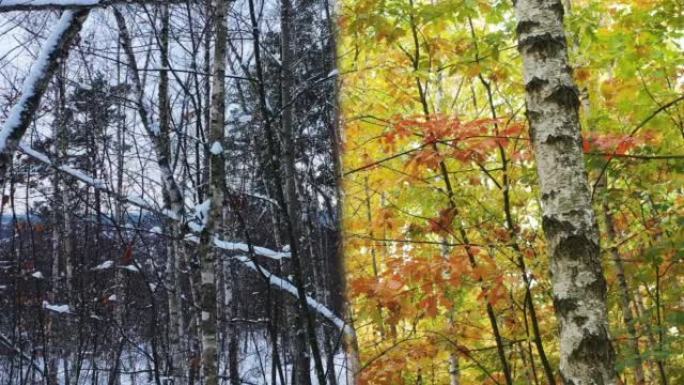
[(217, 178), (579, 286)]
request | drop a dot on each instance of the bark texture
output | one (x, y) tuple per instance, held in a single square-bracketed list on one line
[(217, 179), (579, 287)]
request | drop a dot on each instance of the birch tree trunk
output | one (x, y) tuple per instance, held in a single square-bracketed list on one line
[(216, 191), (172, 263), (579, 287)]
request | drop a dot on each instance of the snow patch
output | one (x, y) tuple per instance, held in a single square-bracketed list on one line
[(216, 148), (131, 268), (62, 309), (104, 265)]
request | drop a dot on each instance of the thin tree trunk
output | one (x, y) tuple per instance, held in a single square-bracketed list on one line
[(625, 296), (173, 197), (653, 344), (579, 286), (172, 264), (422, 97), (302, 365), (217, 178), (233, 338)]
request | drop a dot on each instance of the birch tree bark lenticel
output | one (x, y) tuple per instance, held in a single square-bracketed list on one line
[(579, 287)]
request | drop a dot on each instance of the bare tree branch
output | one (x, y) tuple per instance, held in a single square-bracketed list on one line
[(42, 5), (54, 50)]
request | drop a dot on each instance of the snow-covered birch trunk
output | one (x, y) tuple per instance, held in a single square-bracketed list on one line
[(54, 50), (579, 287)]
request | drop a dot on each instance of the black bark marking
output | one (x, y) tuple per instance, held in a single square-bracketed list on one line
[(566, 140), (580, 320), (526, 26), (533, 116), (564, 306), (535, 84), (565, 96), (599, 285), (578, 246), (554, 227), (592, 348), (557, 9), (548, 195), (546, 44)]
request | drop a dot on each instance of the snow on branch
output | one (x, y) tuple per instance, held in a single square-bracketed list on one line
[(291, 289), (274, 280), (263, 251), (142, 204), (243, 247), (39, 5), (95, 183), (54, 49), (60, 309)]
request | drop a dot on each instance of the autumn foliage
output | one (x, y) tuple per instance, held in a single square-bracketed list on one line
[(442, 217)]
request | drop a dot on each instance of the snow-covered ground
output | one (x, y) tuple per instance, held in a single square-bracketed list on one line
[(135, 367)]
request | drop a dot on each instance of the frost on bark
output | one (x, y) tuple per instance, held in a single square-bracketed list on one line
[(579, 287)]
